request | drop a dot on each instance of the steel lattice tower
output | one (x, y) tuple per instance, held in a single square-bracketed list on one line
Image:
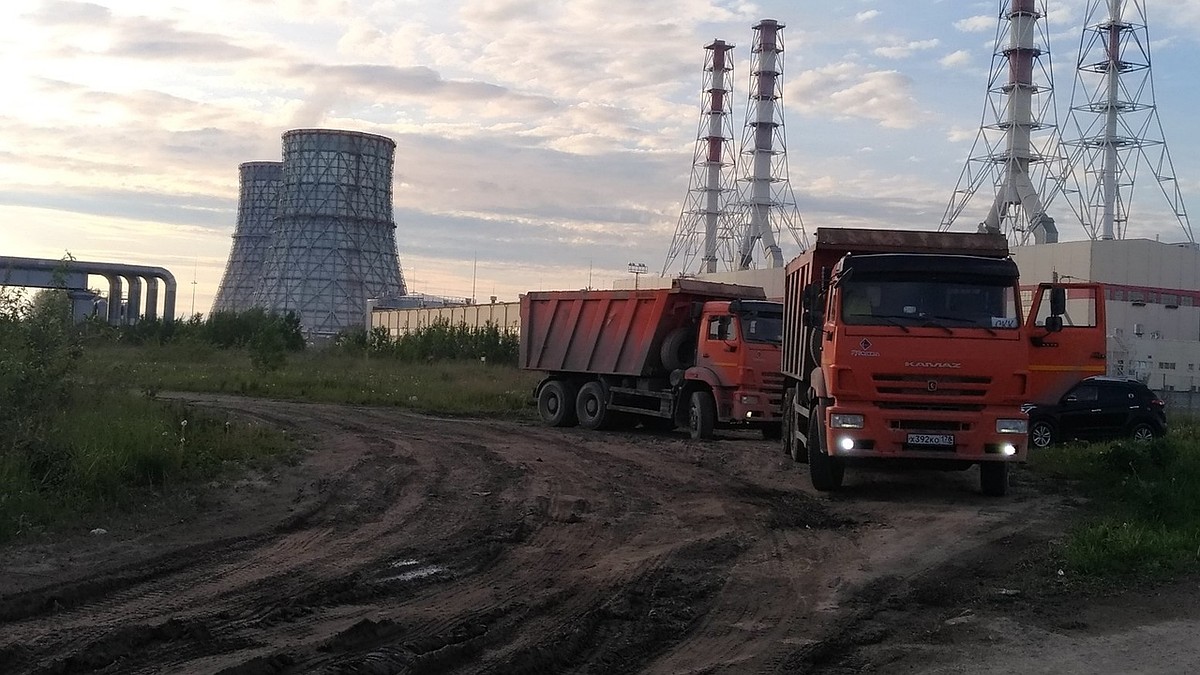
[(1016, 151), (768, 205), (1113, 121), (334, 242), (258, 197), (713, 183)]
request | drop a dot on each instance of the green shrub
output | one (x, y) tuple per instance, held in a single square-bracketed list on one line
[(1146, 504)]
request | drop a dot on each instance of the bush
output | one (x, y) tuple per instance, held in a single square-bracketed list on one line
[(439, 341)]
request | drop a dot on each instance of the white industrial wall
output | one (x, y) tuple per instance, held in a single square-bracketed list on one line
[(505, 315)]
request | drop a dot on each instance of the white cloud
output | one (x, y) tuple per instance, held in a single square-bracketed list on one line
[(866, 15), (977, 24), (955, 59), (901, 50), (849, 90)]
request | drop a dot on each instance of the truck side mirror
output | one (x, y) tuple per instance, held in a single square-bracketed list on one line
[(1054, 324), (735, 306), (1058, 301)]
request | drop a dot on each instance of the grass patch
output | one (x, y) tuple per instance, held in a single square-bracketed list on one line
[(1145, 500), (440, 387), (112, 450)]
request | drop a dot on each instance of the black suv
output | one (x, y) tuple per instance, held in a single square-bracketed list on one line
[(1099, 408)]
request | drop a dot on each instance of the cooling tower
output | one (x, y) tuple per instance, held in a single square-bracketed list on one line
[(333, 246), (257, 200)]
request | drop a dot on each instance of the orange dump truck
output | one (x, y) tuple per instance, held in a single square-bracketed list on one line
[(908, 347), (699, 355)]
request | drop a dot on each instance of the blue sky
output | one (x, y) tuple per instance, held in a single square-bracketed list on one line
[(540, 144)]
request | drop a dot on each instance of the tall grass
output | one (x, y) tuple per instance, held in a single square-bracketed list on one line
[(1145, 504), (333, 376), (110, 450)]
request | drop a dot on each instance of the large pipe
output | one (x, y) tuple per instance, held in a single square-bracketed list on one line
[(151, 298), (110, 271), (133, 309)]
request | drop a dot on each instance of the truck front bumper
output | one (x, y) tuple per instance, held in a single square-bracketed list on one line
[(980, 436), (750, 407)]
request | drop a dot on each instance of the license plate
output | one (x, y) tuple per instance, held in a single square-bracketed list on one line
[(931, 439)]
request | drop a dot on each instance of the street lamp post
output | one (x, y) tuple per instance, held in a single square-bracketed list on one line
[(637, 270)]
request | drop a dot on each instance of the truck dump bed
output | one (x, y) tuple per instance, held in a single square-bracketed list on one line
[(611, 332)]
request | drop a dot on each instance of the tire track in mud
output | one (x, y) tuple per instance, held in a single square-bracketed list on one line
[(428, 545)]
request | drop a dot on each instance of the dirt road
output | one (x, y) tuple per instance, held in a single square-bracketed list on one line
[(409, 544)]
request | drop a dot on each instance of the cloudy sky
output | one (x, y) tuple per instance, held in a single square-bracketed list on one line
[(540, 143)]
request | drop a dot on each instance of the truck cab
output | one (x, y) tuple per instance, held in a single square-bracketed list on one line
[(912, 348), (737, 360)]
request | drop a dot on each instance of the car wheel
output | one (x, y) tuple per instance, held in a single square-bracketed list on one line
[(1041, 434), (1142, 432)]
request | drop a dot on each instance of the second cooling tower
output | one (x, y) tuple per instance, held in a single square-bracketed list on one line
[(333, 244), (258, 198)]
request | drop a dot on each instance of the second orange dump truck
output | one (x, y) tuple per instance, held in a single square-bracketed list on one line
[(697, 355), (908, 347)]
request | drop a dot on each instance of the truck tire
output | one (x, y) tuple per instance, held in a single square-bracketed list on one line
[(556, 404), (591, 406), (788, 430), (993, 478), (702, 415), (825, 472), (678, 349)]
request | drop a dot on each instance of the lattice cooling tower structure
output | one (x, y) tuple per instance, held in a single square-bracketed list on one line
[(334, 242), (258, 198), (1016, 151)]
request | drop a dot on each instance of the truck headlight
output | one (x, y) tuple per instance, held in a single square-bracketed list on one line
[(839, 421), (1012, 426)]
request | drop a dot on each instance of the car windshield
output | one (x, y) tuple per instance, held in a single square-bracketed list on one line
[(959, 301)]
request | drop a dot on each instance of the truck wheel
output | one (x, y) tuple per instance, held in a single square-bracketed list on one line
[(702, 415), (788, 430), (1041, 434), (556, 404), (825, 472), (678, 349), (591, 407), (993, 478)]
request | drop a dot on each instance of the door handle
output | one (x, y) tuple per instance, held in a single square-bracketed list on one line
[(1095, 409)]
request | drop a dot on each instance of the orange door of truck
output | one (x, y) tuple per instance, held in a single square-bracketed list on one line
[(1060, 358)]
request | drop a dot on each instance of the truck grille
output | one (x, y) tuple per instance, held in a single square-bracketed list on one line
[(773, 388), (926, 387)]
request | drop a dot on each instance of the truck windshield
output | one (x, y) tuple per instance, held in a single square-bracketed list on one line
[(942, 301), (762, 327)]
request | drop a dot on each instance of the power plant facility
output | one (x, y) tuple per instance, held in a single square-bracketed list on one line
[(724, 226), (1016, 152), (321, 241)]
